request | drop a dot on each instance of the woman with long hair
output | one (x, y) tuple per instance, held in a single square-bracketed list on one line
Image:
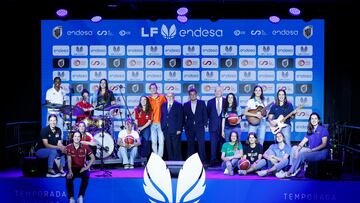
[(231, 152)]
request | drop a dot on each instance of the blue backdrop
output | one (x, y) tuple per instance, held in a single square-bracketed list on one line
[(236, 54)]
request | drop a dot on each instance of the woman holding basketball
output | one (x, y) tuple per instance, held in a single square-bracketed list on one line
[(128, 140), (230, 119), (253, 152), (231, 152)]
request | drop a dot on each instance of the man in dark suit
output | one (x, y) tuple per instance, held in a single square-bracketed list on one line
[(214, 110), (195, 121), (171, 124)]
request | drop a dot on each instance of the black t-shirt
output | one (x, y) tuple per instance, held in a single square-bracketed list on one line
[(47, 133), (252, 153)]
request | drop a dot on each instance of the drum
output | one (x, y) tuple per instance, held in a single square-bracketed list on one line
[(108, 144), (101, 121), (89, 122)]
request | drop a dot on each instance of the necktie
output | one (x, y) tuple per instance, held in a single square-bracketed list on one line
[(169, 107), (218, 109)]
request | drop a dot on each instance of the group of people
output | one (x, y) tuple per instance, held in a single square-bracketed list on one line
[(160, 120)]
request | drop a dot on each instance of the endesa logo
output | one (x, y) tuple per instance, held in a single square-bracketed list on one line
[(170, 32), (285, 32)]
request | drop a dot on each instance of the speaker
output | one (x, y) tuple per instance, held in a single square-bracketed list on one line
[(174, 167), (34, 167), (324, 170)]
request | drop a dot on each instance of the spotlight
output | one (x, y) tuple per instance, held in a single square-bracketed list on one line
[(274, 19), (294, 11), (96, 19), (182, 11), (62, 13), (182, 19)]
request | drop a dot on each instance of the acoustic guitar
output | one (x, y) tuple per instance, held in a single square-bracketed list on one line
[(281, 119), (263, 110)]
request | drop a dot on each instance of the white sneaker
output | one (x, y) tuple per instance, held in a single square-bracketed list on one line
[(262, 173), (226, 172), (71, 200), (126, 166), (280, 174), (52, 174), (80, 199), (296, 172), (131, 166), (242, 172)]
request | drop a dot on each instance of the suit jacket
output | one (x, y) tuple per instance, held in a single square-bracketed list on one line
[(197, 120), (214, 118), (172, 121)]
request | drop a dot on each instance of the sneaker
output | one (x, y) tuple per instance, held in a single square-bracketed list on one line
[(131, 166), (126, 166), (242, 172), (280, 174), (52, 174), (230, 169), (71, 200), (80, 199), (296, 172), (262, 173), (226, 172), (62, 173)]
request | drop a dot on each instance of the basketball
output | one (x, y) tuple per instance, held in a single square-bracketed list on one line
[(233, 118), (129, 140), (244, 164)]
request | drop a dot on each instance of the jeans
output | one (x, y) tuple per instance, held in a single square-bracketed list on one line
[(280, 165), (260, 131), (304, 156), (287, 134), (51, 154), (145, 142), (157, 134), (127, 156), (233, 162)]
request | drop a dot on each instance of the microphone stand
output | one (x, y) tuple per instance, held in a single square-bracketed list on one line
[(126, 106), (106, 172)]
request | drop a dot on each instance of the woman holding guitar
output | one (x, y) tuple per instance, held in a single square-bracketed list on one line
[(255, 112), (282, 107)]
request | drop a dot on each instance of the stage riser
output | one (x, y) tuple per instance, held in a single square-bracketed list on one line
[(131, 190)]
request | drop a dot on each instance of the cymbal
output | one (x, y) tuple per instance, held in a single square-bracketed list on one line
[(108, 108), (74, 110), (53, 106)]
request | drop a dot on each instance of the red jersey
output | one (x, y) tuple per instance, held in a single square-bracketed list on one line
[(141, 117), (78, 156)]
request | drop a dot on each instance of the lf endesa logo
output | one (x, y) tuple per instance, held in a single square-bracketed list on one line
[(170, 32)]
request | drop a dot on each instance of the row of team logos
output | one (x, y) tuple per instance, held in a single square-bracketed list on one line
[(183, 62), (203, 88), (185, 50), (187, 75)]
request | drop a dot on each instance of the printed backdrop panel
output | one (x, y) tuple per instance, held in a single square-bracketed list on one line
[(236, 54)]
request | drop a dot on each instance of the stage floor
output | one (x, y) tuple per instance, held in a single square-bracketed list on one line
[(128, 185)]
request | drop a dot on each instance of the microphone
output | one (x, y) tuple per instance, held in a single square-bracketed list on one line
[(121, 86), (71, 89)]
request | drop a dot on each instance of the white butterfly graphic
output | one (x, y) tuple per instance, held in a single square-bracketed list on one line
[(168, 34), (190, 184)]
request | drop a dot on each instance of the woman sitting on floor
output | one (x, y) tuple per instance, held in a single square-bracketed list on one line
[(231, 152), (277, 156), (253, 152)]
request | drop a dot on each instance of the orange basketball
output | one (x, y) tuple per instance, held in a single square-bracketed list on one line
[(233, 118), (244, 164), (129, 140)]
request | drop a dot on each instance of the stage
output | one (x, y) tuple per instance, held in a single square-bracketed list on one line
[(127, 186)]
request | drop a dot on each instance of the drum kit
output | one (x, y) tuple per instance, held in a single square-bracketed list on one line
[(96, 125)]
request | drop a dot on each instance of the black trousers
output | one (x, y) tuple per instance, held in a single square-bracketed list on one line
[(173, 146), (84, 182)]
